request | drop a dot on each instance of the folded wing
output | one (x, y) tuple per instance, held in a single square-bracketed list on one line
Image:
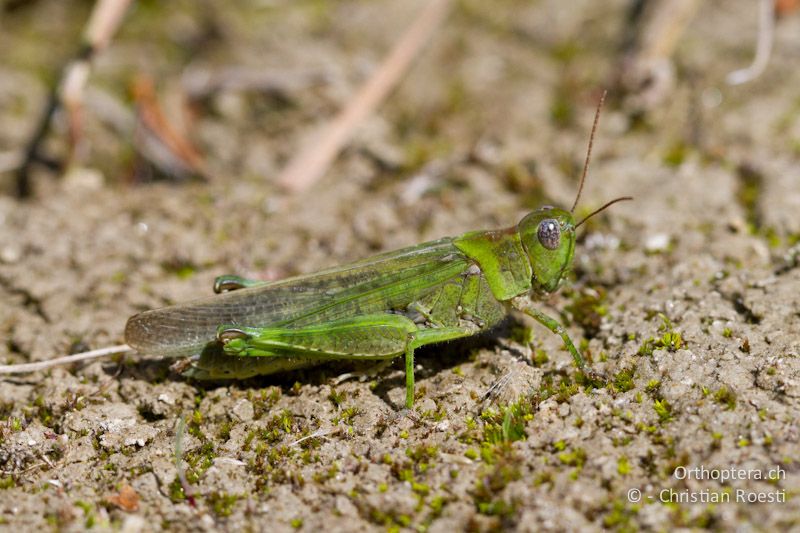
[(384, 282)]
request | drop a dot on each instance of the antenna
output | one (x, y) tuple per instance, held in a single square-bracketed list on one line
[(608, 204), (589, 151)]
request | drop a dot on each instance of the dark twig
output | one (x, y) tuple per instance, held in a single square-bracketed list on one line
[(103, 23), (32, 151)]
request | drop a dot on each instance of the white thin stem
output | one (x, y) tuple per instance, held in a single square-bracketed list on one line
[(766, 36), (25, 368), (317, 434)]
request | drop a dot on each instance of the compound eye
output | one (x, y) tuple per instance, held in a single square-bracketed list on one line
[(549, 233)]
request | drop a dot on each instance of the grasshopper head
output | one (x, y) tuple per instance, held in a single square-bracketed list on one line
[(548, 236)]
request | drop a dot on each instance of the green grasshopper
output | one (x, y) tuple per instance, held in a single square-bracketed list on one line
[(375, 309)]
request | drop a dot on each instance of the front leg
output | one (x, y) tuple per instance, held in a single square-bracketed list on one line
[(524, 304)]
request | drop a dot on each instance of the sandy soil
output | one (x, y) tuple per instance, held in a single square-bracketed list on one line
[(687, 297)]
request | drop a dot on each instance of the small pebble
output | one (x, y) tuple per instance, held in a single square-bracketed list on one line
[(10, 254), (657, 243)]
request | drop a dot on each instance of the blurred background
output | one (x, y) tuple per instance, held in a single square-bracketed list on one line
[(200, 90)]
